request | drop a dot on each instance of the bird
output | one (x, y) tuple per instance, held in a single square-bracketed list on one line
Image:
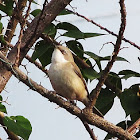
[(66, 77)]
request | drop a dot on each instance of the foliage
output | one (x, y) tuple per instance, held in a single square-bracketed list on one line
[(19, 125), (130, 97)]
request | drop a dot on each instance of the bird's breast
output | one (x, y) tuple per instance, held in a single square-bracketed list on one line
[(66, 83)]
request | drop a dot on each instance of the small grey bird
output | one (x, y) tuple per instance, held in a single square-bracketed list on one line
[(66, 77)]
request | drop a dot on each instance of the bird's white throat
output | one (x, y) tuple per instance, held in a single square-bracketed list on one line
[(58, 57)]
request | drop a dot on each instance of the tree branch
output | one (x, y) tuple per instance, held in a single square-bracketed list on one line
[(23, 24), (78, 60), (90, 131), (85, 114), (132, 129), (38, 65), (17, 12), (95, 93), (105, 29), (30, 36)]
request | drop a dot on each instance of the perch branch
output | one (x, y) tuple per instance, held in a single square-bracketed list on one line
[(85, 114)]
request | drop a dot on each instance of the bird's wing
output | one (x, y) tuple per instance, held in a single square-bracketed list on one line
[(78, 72)]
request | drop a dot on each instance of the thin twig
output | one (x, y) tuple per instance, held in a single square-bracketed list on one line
[(14, 21), (90, 131), (21, 32), (36, 64), (53, 8), (105, 29), (5, 101), (132, 129), (95, 93)]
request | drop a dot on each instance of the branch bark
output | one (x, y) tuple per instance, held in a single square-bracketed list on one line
[(85, 114), (32, 34), (13, 22)]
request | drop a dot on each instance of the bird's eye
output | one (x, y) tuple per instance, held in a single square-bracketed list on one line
[(63, 52)]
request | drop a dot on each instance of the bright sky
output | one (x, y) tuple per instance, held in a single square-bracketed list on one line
[(47, 119)]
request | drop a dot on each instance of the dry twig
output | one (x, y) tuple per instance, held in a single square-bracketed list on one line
[(90, 131), (105, 29), (23, 24), (95, 93)]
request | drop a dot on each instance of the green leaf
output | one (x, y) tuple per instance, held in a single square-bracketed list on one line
[(7, 7), (0, 98), (45, 59), (74, 34), (99, 58), (43, 51), (117, 59), (90, 73), (18, 125), (40, 48), (3, 108), (36, 12), (109, 137), (88, 35), (130, 100), (77, 34), (135, 116), (95, 57), (2, 40), (76, 47), (66, 26), (115, 80), (1, 27), (124, 125), (72, 31), (34, 2), (128, 73), (105, 100), (64, 12), (50, 30)]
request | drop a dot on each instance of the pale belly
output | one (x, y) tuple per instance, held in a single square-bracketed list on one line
[(66, 83)]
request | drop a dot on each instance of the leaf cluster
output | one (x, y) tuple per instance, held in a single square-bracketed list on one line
[(129, 98)]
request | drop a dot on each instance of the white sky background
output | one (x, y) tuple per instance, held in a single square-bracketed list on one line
[(50, 122)]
